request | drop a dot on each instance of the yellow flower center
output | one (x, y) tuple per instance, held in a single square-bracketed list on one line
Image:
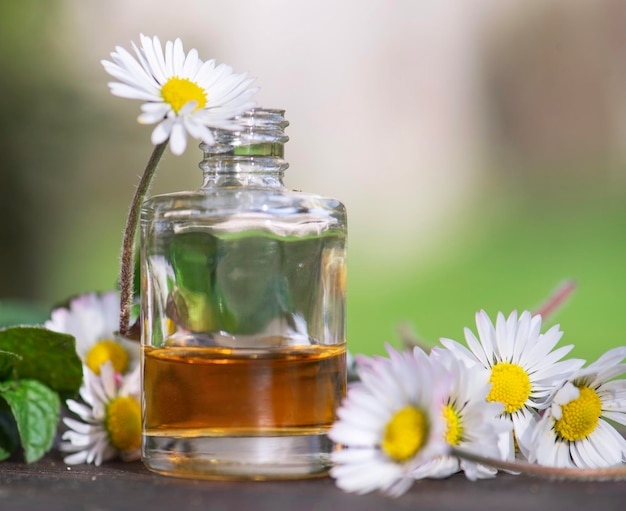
[(123, 423), (580, 416), (180, 91), (510, 385), (454, 426), (106, 350), (405, 434)]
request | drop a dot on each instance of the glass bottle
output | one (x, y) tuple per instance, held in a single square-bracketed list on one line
[(243, 287)]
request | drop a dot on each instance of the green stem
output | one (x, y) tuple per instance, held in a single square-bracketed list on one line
[(127, 265)]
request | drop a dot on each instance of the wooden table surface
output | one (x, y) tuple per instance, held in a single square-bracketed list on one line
[(51, 485)]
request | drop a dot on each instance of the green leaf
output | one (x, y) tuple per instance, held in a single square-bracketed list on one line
[(47, 356), (36, 409)]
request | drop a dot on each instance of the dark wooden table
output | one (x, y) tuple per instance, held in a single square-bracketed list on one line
[(51, 485)]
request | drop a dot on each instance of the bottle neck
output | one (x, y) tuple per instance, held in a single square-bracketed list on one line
[(249, 156)]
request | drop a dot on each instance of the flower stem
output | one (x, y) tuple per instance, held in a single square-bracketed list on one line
[(557, 299), (127, 264), (615, 472)]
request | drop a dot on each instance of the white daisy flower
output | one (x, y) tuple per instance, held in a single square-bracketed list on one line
[(576, 429), (111, 419), (183, 94), (93, 320), (472, 423), (389, 423), (520, 363)]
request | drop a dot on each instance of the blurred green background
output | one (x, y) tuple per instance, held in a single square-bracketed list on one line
[(480, 149)]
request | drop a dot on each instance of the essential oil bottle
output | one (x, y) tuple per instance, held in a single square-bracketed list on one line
[(244, 316)]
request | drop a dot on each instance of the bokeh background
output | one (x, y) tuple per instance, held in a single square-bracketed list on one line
[(479, 146)]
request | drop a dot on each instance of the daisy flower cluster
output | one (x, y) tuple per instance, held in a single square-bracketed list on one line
[(509, 399), (107, 422)]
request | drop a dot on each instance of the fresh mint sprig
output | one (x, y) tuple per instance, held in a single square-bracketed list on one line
[(38, 368)]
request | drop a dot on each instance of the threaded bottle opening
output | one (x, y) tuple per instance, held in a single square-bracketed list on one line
[(253, 153), (261, 133)]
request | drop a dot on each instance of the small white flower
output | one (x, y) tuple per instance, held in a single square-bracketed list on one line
[(472, 423), (575, 430), (111, 418), (93, 320), (183, 94), (520, 363), (389, 423)]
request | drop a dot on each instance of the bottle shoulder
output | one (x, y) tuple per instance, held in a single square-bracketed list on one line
[(237, 199), (255, 204)]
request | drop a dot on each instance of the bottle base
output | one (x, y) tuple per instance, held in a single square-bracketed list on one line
[(242, 457)]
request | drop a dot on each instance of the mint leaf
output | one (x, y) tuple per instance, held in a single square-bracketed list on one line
[(47, 356), (36, 409)]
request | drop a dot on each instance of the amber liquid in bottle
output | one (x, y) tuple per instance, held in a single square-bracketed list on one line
[(226, 392)]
